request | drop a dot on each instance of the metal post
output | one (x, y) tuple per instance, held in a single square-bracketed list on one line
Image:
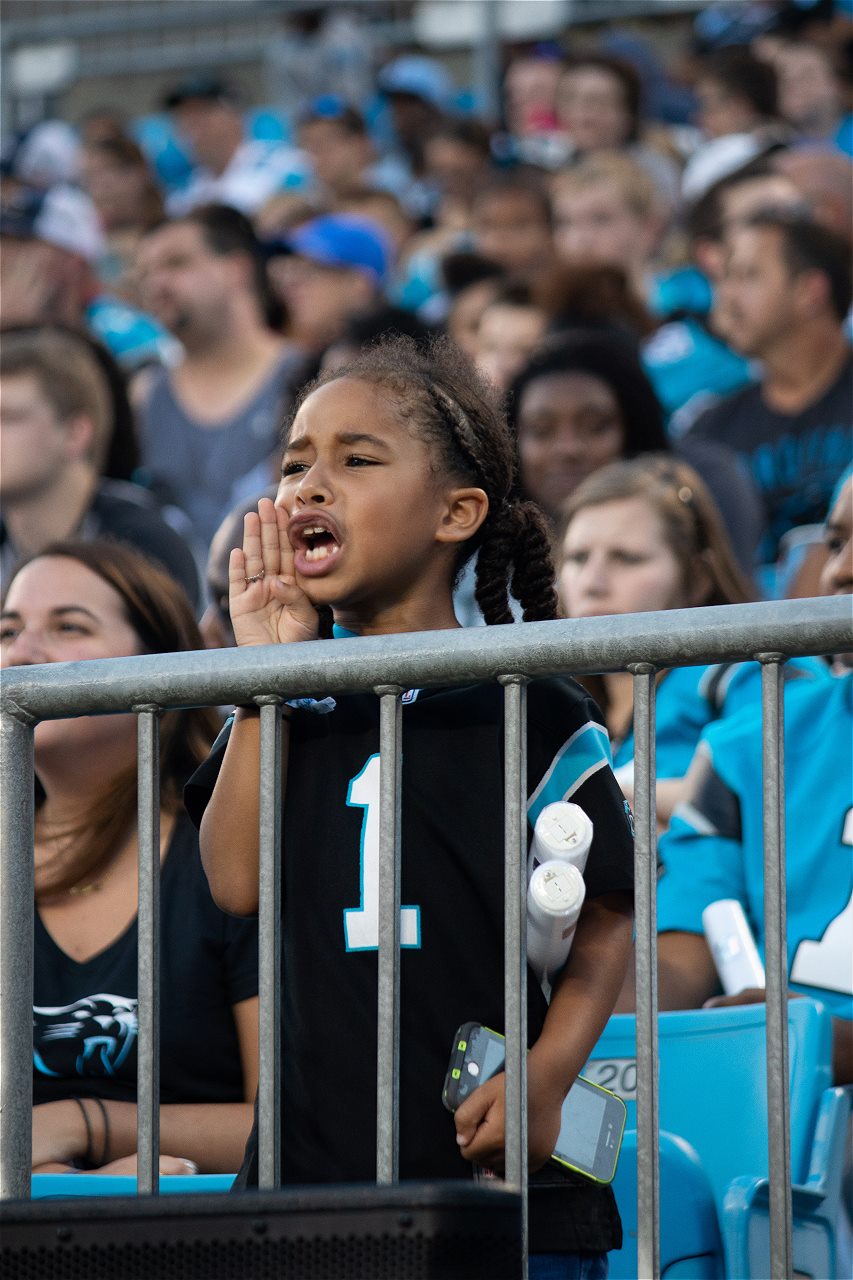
[(269, 945), (17, 889), (487, 61), (388, 1011), (776, 965), (515, 939), (645, 864), (148, 952)]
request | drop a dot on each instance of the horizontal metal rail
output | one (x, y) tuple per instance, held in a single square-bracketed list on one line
[(642, 644), (680, 638), (125, 19)]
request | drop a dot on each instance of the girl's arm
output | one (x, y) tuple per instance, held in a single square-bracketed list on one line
[(273, 609), (211, 1134), (582, 1001), (229, 831)]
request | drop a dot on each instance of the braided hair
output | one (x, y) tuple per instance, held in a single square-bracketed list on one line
[(440, 396)]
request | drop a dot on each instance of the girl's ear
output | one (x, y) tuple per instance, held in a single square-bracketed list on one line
[(464, 512)]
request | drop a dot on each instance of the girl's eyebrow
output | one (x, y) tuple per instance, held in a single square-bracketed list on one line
[(344, 437)]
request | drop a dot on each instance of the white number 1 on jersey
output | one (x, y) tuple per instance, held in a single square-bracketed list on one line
[(361, 924)]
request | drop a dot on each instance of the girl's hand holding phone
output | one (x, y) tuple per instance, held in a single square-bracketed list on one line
[(267, 605), (481, 1127)]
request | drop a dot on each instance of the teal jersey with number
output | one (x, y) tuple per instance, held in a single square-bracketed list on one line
[(715, 845), (690, 698)]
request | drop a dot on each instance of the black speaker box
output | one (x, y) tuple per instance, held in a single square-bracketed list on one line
[(413, 1231)]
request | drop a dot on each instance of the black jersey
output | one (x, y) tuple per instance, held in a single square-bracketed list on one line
[(85, 1014), (452, 914)]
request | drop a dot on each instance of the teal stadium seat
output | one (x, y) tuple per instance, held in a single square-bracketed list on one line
[(691, 1245), (53, 1186), (713, 1097)]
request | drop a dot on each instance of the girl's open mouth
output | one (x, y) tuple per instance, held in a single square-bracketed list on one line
[(316, 543), (319, 543)]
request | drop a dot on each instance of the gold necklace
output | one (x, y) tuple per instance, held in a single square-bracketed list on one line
[(76, 890)]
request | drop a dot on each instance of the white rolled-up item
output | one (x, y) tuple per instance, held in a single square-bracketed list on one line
[(554, 899), (563, 833), (732, 946)]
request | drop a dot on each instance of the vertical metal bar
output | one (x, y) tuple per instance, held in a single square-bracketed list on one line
[(388, 1010), (645, 889), (515, 938), (776, 965), (17, 888), (486, 67), (148, 954), (269, 945)]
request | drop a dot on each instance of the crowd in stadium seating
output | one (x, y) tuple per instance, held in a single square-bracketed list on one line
[(653, 266)]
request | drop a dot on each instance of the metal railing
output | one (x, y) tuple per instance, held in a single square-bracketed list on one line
[(386, 666)]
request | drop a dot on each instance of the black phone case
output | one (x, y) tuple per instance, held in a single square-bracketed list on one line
[(456, 1089)]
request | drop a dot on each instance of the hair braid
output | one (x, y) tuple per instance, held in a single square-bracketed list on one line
[(497, 542), (493, 561), (533, 566)]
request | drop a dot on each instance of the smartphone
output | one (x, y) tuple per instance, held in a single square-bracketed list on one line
[(593, 1118)]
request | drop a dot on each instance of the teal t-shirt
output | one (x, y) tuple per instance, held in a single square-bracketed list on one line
[(690, 698), (714, 847)]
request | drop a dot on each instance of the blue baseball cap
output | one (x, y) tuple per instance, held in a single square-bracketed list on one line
[(341, 240), (418, 77)]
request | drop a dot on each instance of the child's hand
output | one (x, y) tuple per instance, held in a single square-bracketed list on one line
[(266, 604), (481, 1130)]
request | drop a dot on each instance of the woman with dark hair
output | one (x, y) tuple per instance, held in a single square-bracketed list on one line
[(580, 402), (583, 401), (72, 602)]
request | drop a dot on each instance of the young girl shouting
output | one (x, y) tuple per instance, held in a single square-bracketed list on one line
[(396, 469)]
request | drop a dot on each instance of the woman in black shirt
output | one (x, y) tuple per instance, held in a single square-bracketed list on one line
[(98, 600)]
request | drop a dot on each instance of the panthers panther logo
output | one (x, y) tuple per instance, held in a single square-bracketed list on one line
[(91, 1037)]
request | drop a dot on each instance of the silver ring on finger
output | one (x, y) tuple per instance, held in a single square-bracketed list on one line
[(256, 577)]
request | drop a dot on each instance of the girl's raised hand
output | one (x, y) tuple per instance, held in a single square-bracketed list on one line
[(267, 605)]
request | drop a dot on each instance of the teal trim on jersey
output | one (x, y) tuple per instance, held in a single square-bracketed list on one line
[(584, 754), (341, 633)]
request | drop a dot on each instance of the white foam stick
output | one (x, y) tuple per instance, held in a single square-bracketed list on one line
[(563, 833), (554, 899), (732, 946)]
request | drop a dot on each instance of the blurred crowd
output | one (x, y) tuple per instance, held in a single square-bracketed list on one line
[(691, 219), (650, 257)]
